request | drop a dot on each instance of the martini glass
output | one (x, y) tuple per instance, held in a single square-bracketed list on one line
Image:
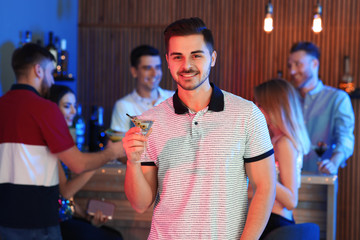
[(114, 136), (145, 126), (320, 149)]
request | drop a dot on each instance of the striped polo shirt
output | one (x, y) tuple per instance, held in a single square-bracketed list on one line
[(202, 183), (32, 129)]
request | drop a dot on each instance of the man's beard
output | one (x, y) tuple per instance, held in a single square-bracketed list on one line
[(307, 80), (202, 80), (44, 88)]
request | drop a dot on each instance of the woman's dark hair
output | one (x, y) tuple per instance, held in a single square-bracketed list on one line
[(57, 92)]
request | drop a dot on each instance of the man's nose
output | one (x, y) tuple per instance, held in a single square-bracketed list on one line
[(292, 70), (153, 72), (187, 63)]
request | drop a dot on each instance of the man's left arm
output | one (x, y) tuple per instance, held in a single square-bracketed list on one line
[(262, 178), (343, 134)]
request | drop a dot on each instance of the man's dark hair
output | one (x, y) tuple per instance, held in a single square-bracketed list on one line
[(28, 55), (309, 47), (57, 92), (189, 26), (142, 50)]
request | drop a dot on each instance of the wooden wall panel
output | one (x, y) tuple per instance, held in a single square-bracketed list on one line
[(247, 56)]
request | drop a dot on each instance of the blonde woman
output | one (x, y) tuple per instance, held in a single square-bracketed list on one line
[(278, 101)]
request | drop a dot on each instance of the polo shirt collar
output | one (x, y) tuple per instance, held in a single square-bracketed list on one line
[(216, 103), (19, 86)]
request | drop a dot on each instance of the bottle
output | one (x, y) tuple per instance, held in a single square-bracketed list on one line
[(97, 137), (28, 37), (51, 47), (101, 130), (80, 127), (62, 66), (346, 82)]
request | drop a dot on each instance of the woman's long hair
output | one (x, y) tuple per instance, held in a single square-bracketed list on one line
[(279, 99)]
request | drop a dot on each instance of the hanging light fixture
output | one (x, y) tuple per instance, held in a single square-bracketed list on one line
[(317, 22), (268, 22)]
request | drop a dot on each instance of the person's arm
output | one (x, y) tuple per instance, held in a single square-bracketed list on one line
[(68, 188), (140, 181), (287, 188), (79, 162), (343, 135), (262, 178), (331, 166)]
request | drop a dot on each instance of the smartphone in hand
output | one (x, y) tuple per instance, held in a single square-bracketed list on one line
[(107, 208)]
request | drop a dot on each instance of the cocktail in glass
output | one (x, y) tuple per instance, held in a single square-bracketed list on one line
[(320, 149), (114, 136), (145, 126)]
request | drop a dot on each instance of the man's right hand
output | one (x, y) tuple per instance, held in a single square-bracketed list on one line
[(133, 143)]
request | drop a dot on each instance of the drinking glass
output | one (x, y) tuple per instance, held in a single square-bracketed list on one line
[(320, 149), (114, 136), (145, 126)]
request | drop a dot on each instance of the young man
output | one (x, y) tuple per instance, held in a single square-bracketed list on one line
[(204, 144), (33, 136), (328, 113), (146, 70)]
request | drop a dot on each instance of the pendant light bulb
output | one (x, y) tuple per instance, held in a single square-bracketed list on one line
[(268, 21), (317, 21)]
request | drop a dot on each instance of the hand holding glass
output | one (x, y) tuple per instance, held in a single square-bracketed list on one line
[(145, 126)]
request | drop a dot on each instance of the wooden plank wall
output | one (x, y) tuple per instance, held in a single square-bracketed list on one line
[(247, 56)]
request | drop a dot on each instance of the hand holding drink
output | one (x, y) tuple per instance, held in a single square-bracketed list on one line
[(145, 126)]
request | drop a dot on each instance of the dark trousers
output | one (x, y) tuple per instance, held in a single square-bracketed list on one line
[(80, 229), (275, 221)]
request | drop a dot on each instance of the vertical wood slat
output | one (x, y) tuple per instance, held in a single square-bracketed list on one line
[(247, 56)]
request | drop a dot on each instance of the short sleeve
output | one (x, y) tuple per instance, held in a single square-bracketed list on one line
[(55, 130), (258, 142)]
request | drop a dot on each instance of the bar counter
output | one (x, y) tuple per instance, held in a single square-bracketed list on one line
[(108, 184), (317, 202)]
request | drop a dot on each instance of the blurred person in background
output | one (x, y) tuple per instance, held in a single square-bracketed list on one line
[(328, 113), (33, 136), (278, 101), (146, 70), (75, 223)]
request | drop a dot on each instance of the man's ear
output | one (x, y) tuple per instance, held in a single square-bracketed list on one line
[(315, 63), (133, 72), (213, 58), (39, 71)]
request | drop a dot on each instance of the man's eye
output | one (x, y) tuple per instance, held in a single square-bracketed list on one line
[(197, 56)]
